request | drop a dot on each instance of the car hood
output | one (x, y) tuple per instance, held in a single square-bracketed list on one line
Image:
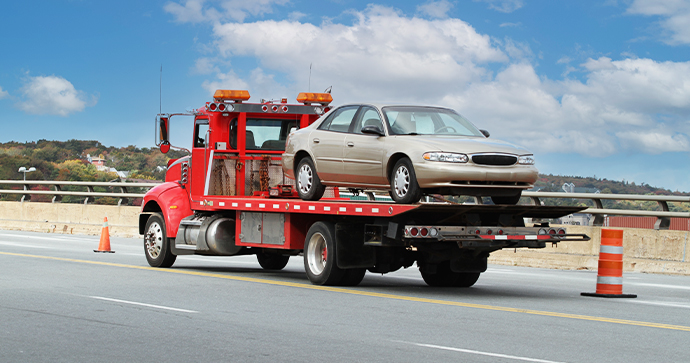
[(466, 145)]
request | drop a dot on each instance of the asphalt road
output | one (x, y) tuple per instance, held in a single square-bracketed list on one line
[(61, 302)]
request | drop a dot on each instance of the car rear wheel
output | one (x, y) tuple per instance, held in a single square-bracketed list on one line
[(404, 186), (309, 185)]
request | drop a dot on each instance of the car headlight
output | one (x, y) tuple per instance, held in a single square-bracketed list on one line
[(445, 157), (526, 160)]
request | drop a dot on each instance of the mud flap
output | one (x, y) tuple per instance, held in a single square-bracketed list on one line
[(350, 249)]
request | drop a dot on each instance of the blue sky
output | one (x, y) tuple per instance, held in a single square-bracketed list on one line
[(594, 88)]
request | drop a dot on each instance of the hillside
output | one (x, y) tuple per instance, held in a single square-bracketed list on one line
[(67, 160)]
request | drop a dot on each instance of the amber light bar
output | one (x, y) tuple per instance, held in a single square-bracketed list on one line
[(233, 95), (311, 97)]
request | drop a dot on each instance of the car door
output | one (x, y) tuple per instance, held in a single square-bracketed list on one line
[(363, 153), (326, 143)]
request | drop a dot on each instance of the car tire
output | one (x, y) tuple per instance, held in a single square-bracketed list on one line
[(271, 261), (507, 200), (320, 255), (308, 184), (157, 243), (403, 182)]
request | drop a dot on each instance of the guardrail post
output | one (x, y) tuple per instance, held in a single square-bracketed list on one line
[(123, 200), (26, 197), (535, 200), (89, 199), (663, 223), (598, 219), (478, 200), (57, 198)]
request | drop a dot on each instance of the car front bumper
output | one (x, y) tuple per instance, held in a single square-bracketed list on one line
[(456, 175)]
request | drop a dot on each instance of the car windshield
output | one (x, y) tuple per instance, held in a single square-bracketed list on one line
[(407, 120)]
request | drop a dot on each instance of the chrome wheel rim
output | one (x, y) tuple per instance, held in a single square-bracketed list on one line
[(402, 181), (305, 178), (153, 241), (317, 253)]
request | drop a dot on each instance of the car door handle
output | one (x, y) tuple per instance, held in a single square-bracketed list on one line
[(316, 141), (350, 144)]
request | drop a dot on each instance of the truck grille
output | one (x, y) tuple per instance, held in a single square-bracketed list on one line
[(494, 159)]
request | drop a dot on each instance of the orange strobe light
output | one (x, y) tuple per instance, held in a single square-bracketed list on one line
[(311, 97), (232, 95), (610, 272)]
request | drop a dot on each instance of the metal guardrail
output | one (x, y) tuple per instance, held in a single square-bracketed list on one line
[(124, 195), (663, 216)]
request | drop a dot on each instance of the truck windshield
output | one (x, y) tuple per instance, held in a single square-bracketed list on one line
[(263, 134), (407, 120)]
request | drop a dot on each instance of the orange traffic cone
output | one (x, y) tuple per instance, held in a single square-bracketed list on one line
[(610, 271), (104, 245)]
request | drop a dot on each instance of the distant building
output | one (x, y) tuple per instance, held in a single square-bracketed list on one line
[(98, 162)]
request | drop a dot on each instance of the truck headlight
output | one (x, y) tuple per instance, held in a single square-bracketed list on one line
[(526, 160), (445, 157)]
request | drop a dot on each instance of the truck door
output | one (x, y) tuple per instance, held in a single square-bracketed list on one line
[(200, 155)]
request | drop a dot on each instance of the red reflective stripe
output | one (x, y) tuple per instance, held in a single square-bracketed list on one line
[(609, 289), (612, 237), (611, 256)]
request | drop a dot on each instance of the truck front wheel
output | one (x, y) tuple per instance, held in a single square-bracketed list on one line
[(320, 256), (157, 243)]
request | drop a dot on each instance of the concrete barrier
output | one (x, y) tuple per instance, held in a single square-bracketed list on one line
[(645, 250)]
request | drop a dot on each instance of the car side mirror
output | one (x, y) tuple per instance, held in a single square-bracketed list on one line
[(372, 130), (485, 133)]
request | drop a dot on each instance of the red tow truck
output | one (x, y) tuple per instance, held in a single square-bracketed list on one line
[(230, 197)]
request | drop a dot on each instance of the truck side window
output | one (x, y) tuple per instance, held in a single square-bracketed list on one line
[(200, 131)]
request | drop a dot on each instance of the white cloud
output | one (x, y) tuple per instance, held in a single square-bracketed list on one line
[(511, 25), (53, 95), (205, 66), (674, 14), (197, 11), (504, 6), (381, 48), (3, 93), (634, 104), (435, 9)]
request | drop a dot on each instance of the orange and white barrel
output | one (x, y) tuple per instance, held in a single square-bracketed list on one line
[(610, 271)]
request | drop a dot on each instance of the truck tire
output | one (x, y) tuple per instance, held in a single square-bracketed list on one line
[(404, 186), (445, 277), (320, 255), (509, 200), (157, 243), (270, 261), (309, 185), (353, 276)]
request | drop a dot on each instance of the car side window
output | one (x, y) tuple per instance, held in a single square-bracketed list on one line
[(368, 116), (340, 120)]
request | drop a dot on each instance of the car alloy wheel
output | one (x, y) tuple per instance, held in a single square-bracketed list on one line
[(402, 181)]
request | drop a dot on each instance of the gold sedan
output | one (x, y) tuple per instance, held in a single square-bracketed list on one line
[(407, 150)]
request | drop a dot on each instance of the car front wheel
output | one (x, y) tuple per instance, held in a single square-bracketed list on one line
[(404, 186)]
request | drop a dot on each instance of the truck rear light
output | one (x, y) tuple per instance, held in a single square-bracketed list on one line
[(318, 110), (433, 232), (499, 232), (274, 108), (221, 107), (414, 231), (424, 232), (213, 106), (561, 231), (552, 231), (477, 232), (543, 231), (489, 232), (264, 108), (285, 109)]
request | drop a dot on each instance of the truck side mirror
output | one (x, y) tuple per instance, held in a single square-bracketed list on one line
[(485, 133), (163, 127)]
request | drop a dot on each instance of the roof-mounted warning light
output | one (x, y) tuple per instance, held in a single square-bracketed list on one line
[(311, 97), (231, 95)]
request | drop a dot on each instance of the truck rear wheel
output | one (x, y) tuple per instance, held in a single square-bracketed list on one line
[(353, 277), (445, 277), (270, 261), (320, 255), (157, 243)]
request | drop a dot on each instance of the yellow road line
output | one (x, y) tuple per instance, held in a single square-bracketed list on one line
[(369, 293)]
